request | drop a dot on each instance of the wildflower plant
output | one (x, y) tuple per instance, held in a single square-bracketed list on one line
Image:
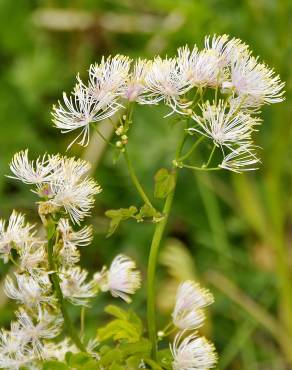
[(216, 95)]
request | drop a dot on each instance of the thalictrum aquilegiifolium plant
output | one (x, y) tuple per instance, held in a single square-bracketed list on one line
[(215, 95)]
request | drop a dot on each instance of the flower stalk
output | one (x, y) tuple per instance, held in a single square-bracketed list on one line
[(51, 235)]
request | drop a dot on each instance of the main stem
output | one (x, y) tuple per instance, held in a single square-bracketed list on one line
[(57, 289), (152, 262)]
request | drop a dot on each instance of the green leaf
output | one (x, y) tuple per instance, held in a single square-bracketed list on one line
[(55, 365), (81, 361), (51, 228), (118, 330), (112, 356), (117, 312), (133, 362), (142, 347), (146, 211), (115, 366), (78, 358), (165, 358), (118, 215), (153, 365), (164, 183)]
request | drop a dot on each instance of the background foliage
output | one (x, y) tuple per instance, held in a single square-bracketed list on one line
[(232, 232)]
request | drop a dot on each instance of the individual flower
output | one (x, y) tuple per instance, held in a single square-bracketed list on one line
[(200, 68), (28, 291), (52, 350), (226, 127), (36, 171), (80, 238), (192, 353), (109, 76), (165, 82), (227, 49), (74, 286), (121, 279), (65, 187), (14, 352), (14, 234), (77, 199), (95, 102), (241, 159), (190, 299), (254, 82), (81, 109), (136, 85), (46, 326), (31, 257), (71, 240)]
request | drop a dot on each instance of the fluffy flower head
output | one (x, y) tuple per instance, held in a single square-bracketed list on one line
[(121, 279), (192, 353), (190, 299)]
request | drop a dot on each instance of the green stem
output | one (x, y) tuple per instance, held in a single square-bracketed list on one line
[(200, 168), (211, 156), (82, 321), (104, 138), (57, 289), (135, 180), (193, 147), (152, 261)]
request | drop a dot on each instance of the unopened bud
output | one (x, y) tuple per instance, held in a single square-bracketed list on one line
[(119, 130), (119, 144)]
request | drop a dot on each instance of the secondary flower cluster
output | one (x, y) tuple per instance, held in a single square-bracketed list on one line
[(66, 197), (192, 351), (240, 85)]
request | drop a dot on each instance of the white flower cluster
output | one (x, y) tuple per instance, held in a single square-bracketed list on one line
[(38, 318), (66, 197), (60, 183), (240, 83), (191, 352)]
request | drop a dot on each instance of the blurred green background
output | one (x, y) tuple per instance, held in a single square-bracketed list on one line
[(232, 232)]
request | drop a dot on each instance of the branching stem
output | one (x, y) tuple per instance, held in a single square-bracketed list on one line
[(135, 180)]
